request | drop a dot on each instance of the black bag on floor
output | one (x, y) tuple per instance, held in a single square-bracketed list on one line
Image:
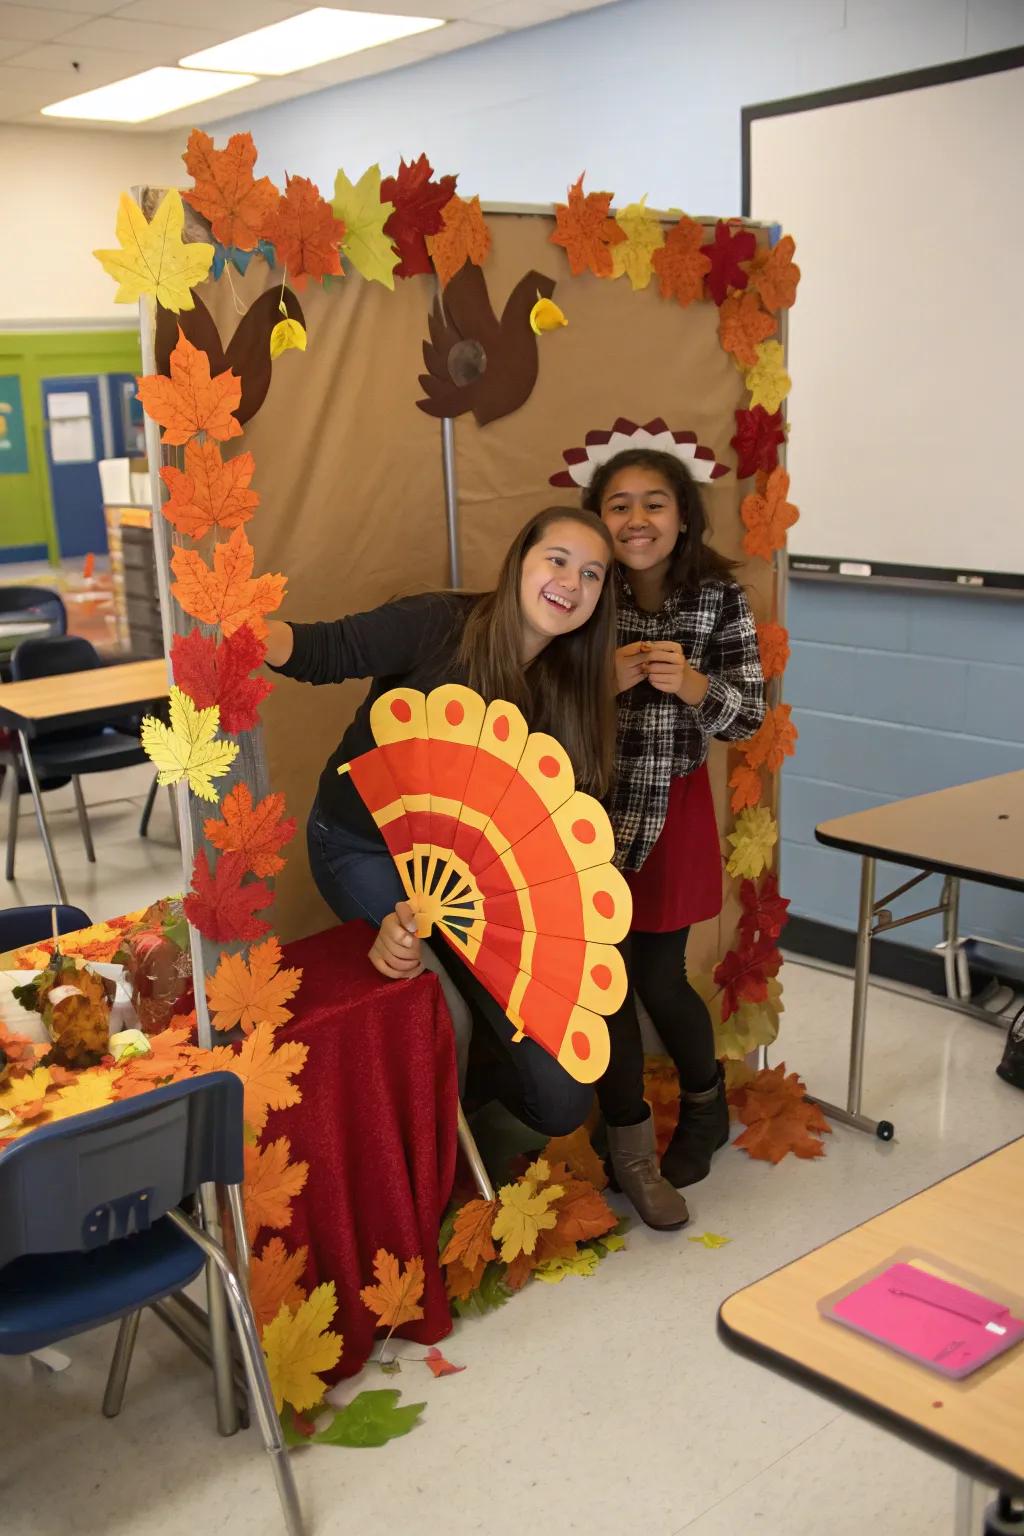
[(1011, 1068)]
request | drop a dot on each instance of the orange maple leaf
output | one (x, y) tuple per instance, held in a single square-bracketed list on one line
[(274, 1276), (226, 595), (778, 1116), (742, 323), (395, 1298), (266, 1070), (745, 782), (20, 1052), (767, 514), (271, 1183), (773, 741), (171, 1061), (582, 1213), (258, 833), (471, 1244), (661, 1090), (253, 993), (209, 493), (190, 401), (680, 264), (775, 274), (773, 644), (462, 237), (305, 233), (585, 230), (577, 1152), (225, 192), (460, 1281)]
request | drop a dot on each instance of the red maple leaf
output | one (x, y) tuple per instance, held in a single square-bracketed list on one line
[(757, 441), (219, 674), (725, 252), (743, 975), (419, 202), (220, 906), (765, 912)]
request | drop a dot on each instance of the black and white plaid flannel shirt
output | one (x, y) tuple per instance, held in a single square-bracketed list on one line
[(659, 738)]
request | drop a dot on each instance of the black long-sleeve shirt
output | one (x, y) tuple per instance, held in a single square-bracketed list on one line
[(411, 643)]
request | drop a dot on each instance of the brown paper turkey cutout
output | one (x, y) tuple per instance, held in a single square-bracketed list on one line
[(476, 362), (248, 352)]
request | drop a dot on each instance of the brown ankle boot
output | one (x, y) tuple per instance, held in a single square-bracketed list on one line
[(703, 1128), (634, 1160)]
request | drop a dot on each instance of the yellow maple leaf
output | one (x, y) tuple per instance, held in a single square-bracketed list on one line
[(710, 1240), (767, 380), (644, 235), (253, 993), (553, 1270), (287, 335), (298, 1344), (24, 1090), (186, 749), (153, 258), (90, 1090), (755, 836), (752, 1025), (396, 1297), (524, 1214)]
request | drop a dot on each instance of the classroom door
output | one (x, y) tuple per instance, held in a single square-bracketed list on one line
[(73, 423)]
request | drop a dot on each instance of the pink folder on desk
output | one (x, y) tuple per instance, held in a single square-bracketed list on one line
[(941, 1325)]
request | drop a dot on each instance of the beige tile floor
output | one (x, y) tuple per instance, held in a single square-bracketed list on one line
[(603, 1406)]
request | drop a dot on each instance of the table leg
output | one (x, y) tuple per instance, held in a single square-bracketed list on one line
[(220, 1326), (951, 936), (44, 831)]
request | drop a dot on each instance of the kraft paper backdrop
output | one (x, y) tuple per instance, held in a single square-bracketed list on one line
[(349, 471)]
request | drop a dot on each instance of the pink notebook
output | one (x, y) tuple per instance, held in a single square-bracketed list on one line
[(941, 1325)]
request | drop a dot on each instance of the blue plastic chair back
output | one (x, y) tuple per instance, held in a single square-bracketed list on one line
[(80, 1183), (38, 604), (31, 925)]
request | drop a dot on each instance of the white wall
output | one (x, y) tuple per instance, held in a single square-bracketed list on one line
[(60, 192)]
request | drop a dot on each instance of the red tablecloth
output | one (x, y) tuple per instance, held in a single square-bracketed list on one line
[(377, 1126)]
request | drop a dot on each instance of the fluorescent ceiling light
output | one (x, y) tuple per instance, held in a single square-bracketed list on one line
[(314, 37), (151, 94)]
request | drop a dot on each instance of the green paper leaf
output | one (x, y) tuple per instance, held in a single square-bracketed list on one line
[(372, 1418), (292, 1436), (489, 1294), (365, 244), (390, 1367)]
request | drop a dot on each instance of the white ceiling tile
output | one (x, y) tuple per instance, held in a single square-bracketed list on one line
[(79, 7), (232, 17), (96, 66), (518, 13), (265, 93), (356, 66), (9, 49), (165, 44), (449, 10), (459, 34), (35, 25)]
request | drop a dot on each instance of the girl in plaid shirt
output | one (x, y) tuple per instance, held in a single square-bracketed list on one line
[(687, 670)]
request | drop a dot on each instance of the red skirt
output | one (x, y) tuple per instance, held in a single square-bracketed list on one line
[(681, 881)]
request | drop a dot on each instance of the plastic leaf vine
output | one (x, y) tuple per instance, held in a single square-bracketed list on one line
[(585, 230), (258, 832), (644, 235), (767, 380), (190, 401), (753, 838), (759, 435), (219, 674), (298, 1345), (220, 906), (187, 748), (225, 192), (274, 1276), (272, 1181), (766, 515), (153, 258), (775, 274), (209, 493), (396, 1297), (681, 264), (725, 252), (252, 992), (463, 237), (364, 214), (305, 233), (227, 594), (742, 323), (417, 208)]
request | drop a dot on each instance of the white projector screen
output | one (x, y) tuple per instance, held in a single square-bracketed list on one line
[(906, 345)]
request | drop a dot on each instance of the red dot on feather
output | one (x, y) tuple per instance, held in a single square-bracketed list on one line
[(454, 712), (501, 727), (601, 976), (401, 710), (581, 1045), (584, 831), (549, 767), (604, 903)]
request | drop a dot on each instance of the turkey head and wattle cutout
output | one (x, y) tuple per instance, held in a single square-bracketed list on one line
[(497, 848)]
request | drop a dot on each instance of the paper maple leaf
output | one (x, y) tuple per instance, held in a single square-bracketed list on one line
[(757, 440), (582, 1213), (305, 233), (171, 1059), (765, 912), (90, 1090), (274, 1276), (226, 595), (746, 786), (372, 1418), (364, 214), (471, 1243), (153, 258), (266, 1070), (552, 1271), (586, 232), (220, 906), (253, 993), (209, 493), (742, 975), (225, 192), (187, 748), (525, 1213), (396, 1297), (725, 252), (751, 1026), (257, 832), (219, 674), (271, 1183), (190, 401), (773, 646), (297, 1344), (774, 740), (438, 1365), (766, 516), (778, 1117), (418, 203), (753, 839), (577, 1152), (742, 323), (644, 235), (775, 274), (463, 237), (710, 1240), (768, 381), (681, 264)]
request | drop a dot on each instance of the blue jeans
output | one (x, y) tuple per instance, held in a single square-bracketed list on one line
[(357, 878)]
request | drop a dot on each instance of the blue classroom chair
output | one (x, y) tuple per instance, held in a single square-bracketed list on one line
[(90, 1232), (32, 925)]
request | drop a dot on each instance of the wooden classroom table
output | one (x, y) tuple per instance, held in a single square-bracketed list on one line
[(74, 698), (972, 1221), (970, 832)]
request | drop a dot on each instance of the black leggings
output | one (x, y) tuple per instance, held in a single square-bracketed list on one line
[(656, 967)]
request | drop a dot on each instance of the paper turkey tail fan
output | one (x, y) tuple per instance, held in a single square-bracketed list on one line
[(198, 326), (444, 395), (497, 848), (248, 353)]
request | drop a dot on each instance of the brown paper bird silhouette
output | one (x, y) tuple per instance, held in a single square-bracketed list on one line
[(476, 362), (248, 352)]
